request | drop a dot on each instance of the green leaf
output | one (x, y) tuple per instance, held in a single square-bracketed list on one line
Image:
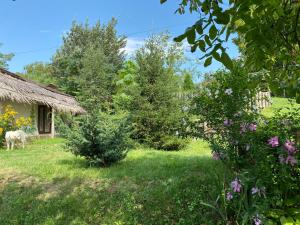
[(201, 44), (180, 38), (206, 38), (216, 56), (199, 27), (226, 60), (162, 1), (207, 61), (213, 32), (191, 35), (194, 47), (286, 220), (223, 18)]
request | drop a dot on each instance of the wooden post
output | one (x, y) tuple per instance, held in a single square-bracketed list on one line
[(52, 124)]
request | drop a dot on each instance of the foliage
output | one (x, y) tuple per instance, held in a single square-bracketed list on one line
[(154, 103), (268, 36), (39, 72), (262, 154), (10, 122), (88, 62), (101, 138), (4, 58)]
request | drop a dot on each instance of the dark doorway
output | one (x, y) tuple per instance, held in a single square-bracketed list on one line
[(44, 119)]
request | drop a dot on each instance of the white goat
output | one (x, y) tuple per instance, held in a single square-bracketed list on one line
[(11, 137)]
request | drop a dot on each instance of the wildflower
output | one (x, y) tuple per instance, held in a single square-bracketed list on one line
[(289, 146), (227, 122), (274, 141), (259, 191), (229, 196), (257, 220), (236, 185), (291, 160), (228, 91), (254, 190), (243, 128), (252, 127), (217, 93), (216, 155)]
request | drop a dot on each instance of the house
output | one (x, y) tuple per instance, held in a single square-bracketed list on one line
[(33, 100)]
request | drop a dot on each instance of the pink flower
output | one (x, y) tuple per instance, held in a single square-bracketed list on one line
[(216, 155), (243, 128), (257, 221), (229, 196), (274, 141), (291, 160), (227, 122), (289, 146), (252, 127), (254, 190), (236, 185)]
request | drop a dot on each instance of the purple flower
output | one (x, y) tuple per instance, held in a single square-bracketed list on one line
[(289, 146), (227, 122), (243, 128), (257, 221), (216, 155), (236, 185), (252, 127), (274, 141), (254, 190), (259, 191), (229, 196), (291, 160)]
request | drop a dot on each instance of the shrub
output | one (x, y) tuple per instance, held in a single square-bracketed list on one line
[(101, 138), (262, 154), (170, 143)]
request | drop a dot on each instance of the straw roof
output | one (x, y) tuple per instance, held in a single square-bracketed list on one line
[(19, 89)]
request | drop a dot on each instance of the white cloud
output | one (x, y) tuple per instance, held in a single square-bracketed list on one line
[(133, 44)]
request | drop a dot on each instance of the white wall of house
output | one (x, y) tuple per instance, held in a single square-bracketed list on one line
[(23, 109)]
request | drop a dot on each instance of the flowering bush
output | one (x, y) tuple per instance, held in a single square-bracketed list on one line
[(9, 121), (262, 154)]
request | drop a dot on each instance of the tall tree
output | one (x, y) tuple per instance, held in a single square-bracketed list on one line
[(156, 107), (40, 72), (4, 58), (99, 42), (269, 35)]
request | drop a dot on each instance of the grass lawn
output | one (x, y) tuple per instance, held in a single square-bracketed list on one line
[(43, 184), (278, 103)]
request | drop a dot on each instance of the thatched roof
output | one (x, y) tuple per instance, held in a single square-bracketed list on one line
[(19, 89)]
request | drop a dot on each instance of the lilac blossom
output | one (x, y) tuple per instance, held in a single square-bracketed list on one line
[(291, 160), (289, 146), (254, 190), (274, 141), (252, 127), (229, 196), (236, 185)]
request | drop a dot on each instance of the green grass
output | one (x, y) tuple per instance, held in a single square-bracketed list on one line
[(43, 184), (278, 103)]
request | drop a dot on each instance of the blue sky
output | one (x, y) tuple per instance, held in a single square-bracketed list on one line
[(33, 29)]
